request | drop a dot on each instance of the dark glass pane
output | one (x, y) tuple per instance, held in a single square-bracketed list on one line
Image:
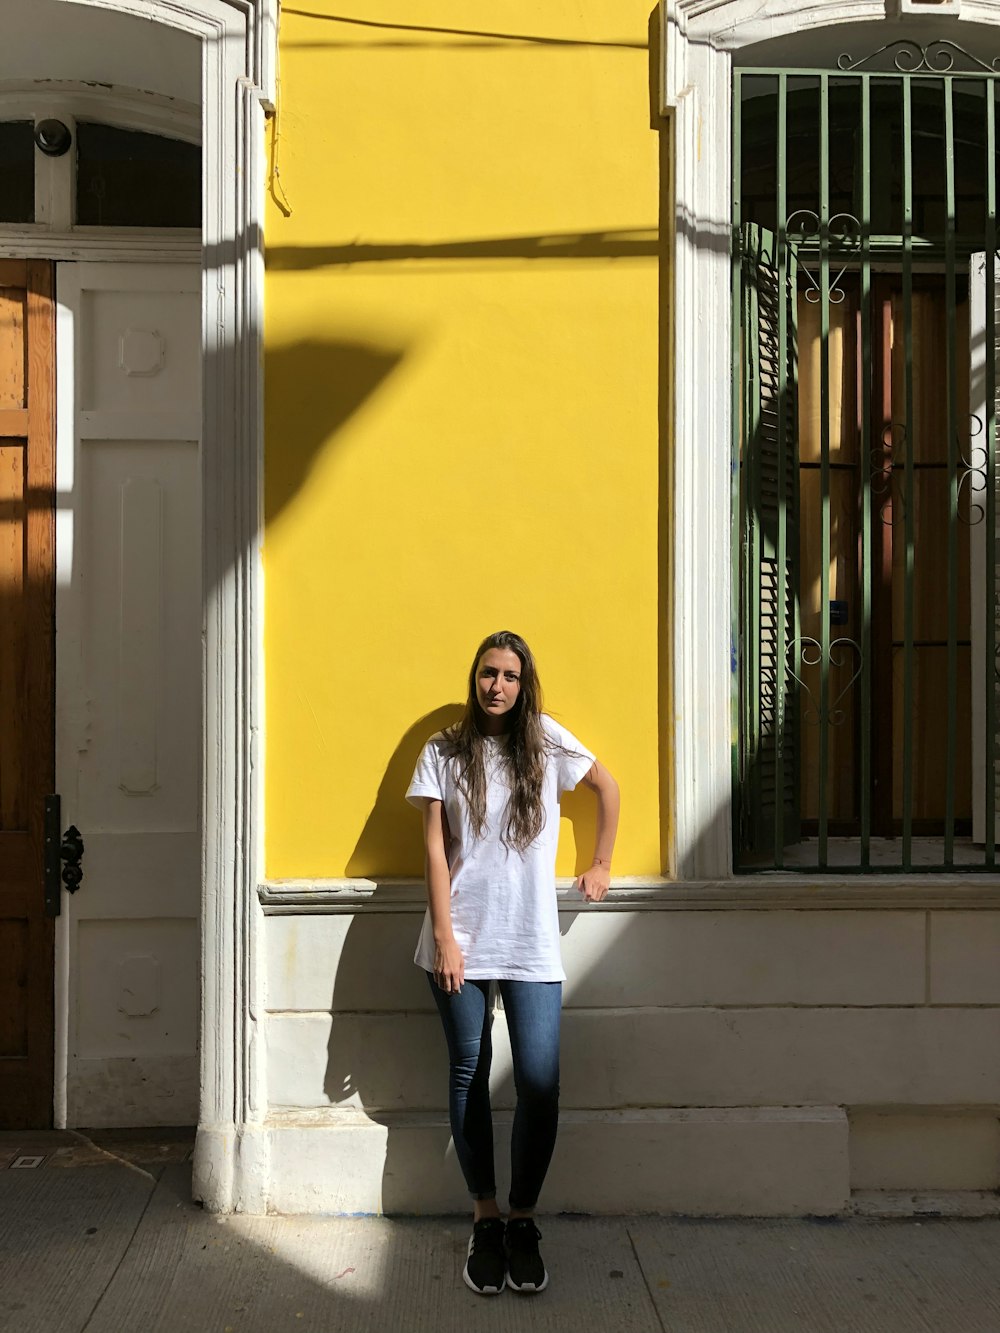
[(129, 179), (17, 171), (845, 153), (803, 152), (759, 151), (887, 157)]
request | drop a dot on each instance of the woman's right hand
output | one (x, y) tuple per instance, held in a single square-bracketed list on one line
[(449, 966)]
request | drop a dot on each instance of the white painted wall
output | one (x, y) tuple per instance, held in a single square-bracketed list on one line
[(56, 39), (765, 1061)]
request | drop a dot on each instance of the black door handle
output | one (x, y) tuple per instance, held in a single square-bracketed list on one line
[(71, 852)]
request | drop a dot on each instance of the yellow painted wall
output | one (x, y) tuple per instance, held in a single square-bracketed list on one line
[(462, 376)]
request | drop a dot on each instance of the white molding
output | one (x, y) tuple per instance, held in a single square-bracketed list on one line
[(746, 893), (112, 104), (697, 86), (231, 1153), (696, 79), (146, 245), (925, 9), (253, 23)]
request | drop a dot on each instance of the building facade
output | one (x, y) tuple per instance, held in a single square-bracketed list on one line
[(665, 339)]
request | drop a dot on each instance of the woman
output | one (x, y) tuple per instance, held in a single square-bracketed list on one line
[(489, 788)]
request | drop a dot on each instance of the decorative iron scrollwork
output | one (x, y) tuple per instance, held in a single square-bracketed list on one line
[(71, 852), (844, 232), (908, 57), (885, 463), (808, 652), (972, 475)]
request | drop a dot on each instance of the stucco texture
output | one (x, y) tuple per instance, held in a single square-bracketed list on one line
[(463, 368)]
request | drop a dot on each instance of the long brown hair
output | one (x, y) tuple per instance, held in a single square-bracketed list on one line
[(524, 747)]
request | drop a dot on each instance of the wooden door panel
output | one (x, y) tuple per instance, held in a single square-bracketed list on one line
[(26, 688)]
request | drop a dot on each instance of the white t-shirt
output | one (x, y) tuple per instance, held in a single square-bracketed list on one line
[(503, 902)]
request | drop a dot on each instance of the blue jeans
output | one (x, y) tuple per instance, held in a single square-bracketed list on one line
[(532, 1009)]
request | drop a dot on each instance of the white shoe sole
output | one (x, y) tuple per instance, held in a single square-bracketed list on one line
[(480, 1291), (528, 1288)]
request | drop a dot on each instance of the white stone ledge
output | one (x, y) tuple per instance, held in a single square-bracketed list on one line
[(757, 1161), (763, 892), (939, 1203)]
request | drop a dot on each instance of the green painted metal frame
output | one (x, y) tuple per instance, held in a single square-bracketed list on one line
[(990, 424), (909, 502), (746, 408)]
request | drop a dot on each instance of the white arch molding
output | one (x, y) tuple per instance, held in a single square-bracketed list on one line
[(700, 38), (238, 40)]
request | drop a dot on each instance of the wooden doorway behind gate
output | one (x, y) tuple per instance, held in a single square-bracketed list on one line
[(27, 641)]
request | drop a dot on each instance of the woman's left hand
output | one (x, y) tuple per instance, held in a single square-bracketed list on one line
[(593, 883)]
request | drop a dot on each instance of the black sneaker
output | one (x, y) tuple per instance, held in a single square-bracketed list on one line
[(525, 1270), (484, 1268)]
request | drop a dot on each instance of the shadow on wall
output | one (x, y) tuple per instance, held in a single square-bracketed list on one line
[(621, 243), (387, 1054), (393, 835), (312, 389), (413, 34)]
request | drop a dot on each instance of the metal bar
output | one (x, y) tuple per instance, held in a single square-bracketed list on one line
[(953, 461), (52, 824), (755, 535), (737, 519), (782, 542), (817, 71), (838, 869), (990, 494), (824, 279), (910, 446), (796, 713), (864, 446)]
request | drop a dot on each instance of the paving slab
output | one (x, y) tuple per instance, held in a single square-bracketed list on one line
[(823, 1275), (120, 1247), (97, 1147), (189, 1270), (62, 1236)]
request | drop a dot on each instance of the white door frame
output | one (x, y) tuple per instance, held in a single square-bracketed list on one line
[(698, 39), (238, 53)]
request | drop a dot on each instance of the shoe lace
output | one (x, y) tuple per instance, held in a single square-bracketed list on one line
[(488, 1237), (523, 1235)]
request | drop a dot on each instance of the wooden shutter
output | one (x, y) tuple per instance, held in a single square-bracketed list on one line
[(768, 703), (26, 688)]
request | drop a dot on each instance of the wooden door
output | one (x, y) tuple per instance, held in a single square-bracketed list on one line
[(26, 688)]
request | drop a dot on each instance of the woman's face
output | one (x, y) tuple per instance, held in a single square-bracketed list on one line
[(498, 682)]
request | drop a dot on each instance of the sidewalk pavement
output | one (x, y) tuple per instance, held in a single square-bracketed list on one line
[(100, 1236)]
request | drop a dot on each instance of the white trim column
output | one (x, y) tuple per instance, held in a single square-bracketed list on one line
[(231, 1172), (231, 1161), (697, 88)]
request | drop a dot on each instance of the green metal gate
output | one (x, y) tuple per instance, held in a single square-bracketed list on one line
[(864, 456)]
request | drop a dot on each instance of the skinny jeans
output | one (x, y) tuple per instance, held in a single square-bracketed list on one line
[(532, 1009)]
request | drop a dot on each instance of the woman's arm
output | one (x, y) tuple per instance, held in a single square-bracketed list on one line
[(449, 965), (593, 883)]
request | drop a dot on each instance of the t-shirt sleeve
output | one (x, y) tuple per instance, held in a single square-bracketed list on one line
[(426, 780), (572, 759)]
